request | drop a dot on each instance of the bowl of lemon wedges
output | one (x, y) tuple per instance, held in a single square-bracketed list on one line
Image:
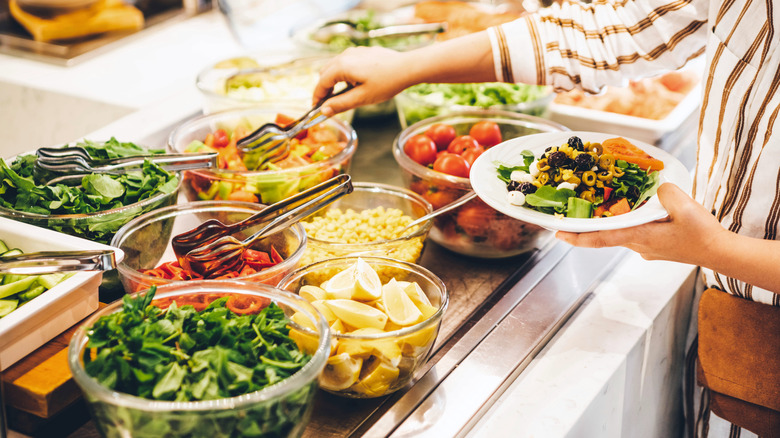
[(384, 316)]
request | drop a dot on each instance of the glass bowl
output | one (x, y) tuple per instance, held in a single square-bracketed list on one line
[(264, 186), (377, 363), (473, 229), (279, 410), (344, 232), (418, 102), (250, 80), (146, 241), (98, 226)]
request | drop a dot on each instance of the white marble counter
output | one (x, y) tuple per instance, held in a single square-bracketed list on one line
[(612, 370)]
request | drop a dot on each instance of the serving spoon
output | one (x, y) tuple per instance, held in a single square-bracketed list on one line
[(451, 206)]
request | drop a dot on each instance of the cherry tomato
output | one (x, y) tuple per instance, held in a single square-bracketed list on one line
[(487, 133), (221, 138), (452, 164), (471, 218), (461, 143), (421, 149), (440, 197), (441, 134), (471, 154)]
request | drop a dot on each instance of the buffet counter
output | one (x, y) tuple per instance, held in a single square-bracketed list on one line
[(557, 342)]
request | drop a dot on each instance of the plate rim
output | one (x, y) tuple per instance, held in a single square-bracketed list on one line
[(651, 211)]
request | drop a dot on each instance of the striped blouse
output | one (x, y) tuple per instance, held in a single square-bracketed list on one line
[(574, 44)]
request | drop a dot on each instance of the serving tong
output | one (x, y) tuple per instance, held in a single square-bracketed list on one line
[(75, 162), (210, 249), (271, 143), (348, 29), (47, 262)]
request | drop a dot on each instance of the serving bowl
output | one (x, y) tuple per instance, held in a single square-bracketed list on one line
[(422, 101), (372, 227), (146, 242), (473, 229), (372, 362), (99, 226), (266, 186), (281, 409)]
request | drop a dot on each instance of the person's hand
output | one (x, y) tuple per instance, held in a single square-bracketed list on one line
[(376, 73), (687, 235)]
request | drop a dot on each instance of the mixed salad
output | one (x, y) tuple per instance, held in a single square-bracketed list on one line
[(583, 180), (427, 100), (366, 22), (272, 181)]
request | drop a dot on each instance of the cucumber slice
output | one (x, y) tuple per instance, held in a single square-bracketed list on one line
[(3, 247), (12, 252), (7, 306)]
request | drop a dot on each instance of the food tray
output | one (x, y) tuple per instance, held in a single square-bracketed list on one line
[(647, 130), (41, 319)]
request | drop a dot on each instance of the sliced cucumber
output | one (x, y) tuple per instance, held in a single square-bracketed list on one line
[(7, 306), (12, 252), (3, 247)]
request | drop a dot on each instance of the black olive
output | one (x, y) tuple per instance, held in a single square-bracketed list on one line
[(558, 159), (584, 162), (526, 188), (633, 192), (512, 186), (576, 143)]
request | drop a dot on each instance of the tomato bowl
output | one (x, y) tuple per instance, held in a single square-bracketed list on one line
[(441, 176), (150, 260), (318, 154)]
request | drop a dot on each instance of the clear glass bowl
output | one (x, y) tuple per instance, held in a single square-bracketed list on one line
[(250, 80), (473, 229), (280, 410), (412, 108), (401, 352), (268, 186), (365, 196), (106, 222), (146, 241)]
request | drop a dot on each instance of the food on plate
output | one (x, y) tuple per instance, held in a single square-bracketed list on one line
[(253, 261), (202, 346), (17, 290), (583, 179), (273, 181), (422, 101), (462, 17), (650, 98), (24, 189), (372, 227), (361, 309)]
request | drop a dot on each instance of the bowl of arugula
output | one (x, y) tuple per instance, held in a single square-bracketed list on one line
[(212, 359), (97, 208)]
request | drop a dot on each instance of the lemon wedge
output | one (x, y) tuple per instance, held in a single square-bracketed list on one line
[(416, 293), (368, 286), (341, 285), (358, 315), (427, 310), (376, 378), (337, 326), (341, 371), (399, 307), (386, 348), (325, 310), (306, 342), (312, 293), (303, 321)]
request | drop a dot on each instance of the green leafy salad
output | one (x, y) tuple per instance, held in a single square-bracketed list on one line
[(182, 354), (433, 98), (23, 188)]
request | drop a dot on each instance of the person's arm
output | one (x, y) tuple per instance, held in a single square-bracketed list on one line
[(692, 235)]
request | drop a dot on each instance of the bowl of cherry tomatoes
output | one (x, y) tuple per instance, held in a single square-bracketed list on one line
[(436, 155)]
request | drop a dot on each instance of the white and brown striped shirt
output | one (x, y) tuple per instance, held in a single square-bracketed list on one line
[(574, 44)]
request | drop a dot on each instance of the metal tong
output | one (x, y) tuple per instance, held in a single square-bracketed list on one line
[(349, 29), (211, 250), (47, 262), (271, 142), (75, 161)]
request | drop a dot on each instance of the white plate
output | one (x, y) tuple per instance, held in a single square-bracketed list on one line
[(485, 181)]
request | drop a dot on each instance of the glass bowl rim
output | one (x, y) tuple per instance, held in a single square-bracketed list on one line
[(191, 207), (384, 261), (303, 376), (458, 182), (266, 107), (421, 230)]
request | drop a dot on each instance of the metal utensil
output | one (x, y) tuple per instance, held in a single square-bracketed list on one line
[(211, 250), (271, 142), (75, 162), (452, 205), (348, 29), (47, 262)]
